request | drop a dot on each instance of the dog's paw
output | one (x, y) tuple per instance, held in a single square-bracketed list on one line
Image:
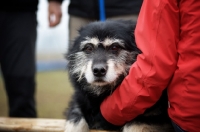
[(135, 128), (80, 126), (145, 128)]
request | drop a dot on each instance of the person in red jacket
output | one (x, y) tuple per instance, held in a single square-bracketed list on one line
[(168, 34)]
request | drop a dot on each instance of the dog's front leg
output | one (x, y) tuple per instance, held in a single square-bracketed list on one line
[(75, 120), (143, 127), (76, 126), (137, 128)]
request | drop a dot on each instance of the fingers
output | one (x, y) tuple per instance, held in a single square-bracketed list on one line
[(55, 13), (54, 19)]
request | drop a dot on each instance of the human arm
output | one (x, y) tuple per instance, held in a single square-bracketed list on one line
[(157, 33), (54, 12)]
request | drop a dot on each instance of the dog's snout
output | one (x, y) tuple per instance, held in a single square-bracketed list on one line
[(99, 70)]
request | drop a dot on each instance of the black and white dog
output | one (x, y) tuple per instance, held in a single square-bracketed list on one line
[(98, 62)]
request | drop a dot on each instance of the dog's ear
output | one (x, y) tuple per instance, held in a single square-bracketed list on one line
[(74, 44), (85, 27), (81, 29), (129, 24)]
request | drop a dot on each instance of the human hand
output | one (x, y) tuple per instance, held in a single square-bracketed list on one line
[(55, 13)]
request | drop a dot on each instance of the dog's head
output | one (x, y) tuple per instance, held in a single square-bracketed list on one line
[(102, 54)]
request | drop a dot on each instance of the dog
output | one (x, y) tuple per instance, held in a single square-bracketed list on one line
[(98, 62)]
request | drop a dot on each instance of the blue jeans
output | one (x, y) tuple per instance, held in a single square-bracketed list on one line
[(177, 128)]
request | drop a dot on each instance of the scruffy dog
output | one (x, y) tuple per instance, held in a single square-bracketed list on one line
[(98, 62)]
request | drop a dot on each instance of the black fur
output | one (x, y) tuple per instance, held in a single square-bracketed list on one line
[(85, 103)]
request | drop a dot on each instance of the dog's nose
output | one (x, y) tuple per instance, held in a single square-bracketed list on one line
[(99, 70)]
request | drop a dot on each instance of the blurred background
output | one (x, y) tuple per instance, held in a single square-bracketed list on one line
[(53, 88)]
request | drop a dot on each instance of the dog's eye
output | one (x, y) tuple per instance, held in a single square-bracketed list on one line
[(88, 48), (114, 48)]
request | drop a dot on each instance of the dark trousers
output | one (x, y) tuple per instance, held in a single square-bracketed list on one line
[(177, 128), (17, 61)]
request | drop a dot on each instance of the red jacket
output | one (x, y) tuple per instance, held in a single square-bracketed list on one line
[(168, 34)]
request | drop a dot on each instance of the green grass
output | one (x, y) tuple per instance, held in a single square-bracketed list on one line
[(53, 94), (3, 100)]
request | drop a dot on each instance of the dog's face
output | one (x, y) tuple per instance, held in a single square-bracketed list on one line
[(102, 54)]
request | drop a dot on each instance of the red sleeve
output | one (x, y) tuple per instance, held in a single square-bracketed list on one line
[(157, 34)]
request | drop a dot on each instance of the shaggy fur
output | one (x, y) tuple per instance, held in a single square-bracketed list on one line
[(98, 62)]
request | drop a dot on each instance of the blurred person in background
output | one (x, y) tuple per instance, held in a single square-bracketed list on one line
[(18, 27), (82, 12)]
